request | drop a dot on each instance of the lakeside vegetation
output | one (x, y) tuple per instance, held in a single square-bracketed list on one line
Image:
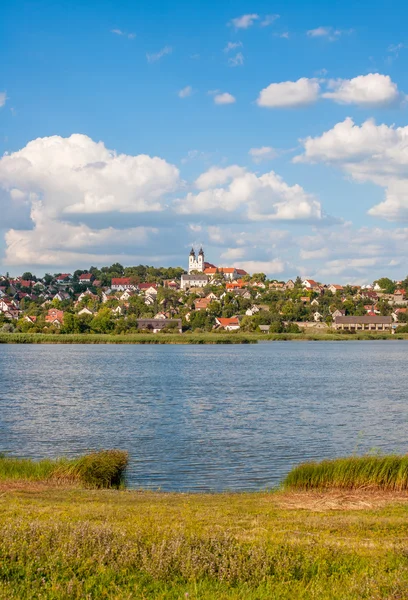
[(103, 469), (189, 338), (58, 543), (375, 472), (71, 541)]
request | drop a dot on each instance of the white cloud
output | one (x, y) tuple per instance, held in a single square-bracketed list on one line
[(288, 94), (232, 46), (216, 176), (130, 36), (185, 92), (77, 175), (263, 198), (224, 98), (329, 33), (370, 152), (268, 20), (263, 153), (244, 21), (3, 98), (269, 267), (360, 255), (237, 60), (53, 242), (366, 90), (158, 55), (233, 254)]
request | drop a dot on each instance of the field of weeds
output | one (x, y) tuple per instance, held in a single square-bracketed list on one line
[(58, 543)]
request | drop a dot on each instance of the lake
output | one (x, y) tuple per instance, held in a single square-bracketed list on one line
[(199, 418)]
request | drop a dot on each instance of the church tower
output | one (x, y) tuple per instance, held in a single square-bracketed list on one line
[(191, 261), (200, 260), (196, 263)]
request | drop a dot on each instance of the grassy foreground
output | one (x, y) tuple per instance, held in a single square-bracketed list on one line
[(189, 338), (374, 472), (58, 543), (59, 540)]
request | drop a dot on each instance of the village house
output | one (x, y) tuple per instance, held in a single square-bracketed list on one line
[(149, 300), (333, 288), (61, 296), (9, 309), (64, 279), (231, 324), (309, 284), (198, 280), (201, 304), (30, 319), (253, 310), (127, 294), (149, 289), (171, 284), (277, 285), (55, 317), (366, 322), (85, 311), (338, 313), (120, 284), (157, 325), (289, 285), (86, 278)]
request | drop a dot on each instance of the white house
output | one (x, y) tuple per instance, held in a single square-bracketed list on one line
[(197, 280)]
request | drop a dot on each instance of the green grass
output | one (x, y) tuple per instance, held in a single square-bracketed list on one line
[(375, 472), (102, 469), (136, 338), (188, 338), (74, 544)]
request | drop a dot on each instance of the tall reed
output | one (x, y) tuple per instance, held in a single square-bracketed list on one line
[(376, 472), (102, 469)]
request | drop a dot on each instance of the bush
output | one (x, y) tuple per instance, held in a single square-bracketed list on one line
[(104, 469)]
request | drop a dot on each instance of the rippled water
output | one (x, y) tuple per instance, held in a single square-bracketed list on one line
[(205, 417)]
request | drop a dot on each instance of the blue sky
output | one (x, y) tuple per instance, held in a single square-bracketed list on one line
[(129, 131)]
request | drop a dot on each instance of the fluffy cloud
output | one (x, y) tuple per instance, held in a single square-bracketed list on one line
[(185, 92), (3, 98), (78, 175), (253, 198), (244, 21), (263, 153), (366, 90), (372, 90), (289, 94), (370, 152), (330, 33), (158, 55), (224, 98), (53, 242)]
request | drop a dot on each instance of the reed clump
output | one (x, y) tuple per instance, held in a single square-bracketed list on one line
[(104, 469), (365, 472)]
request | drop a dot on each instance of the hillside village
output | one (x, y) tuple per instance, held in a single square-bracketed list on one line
[(205, 297)]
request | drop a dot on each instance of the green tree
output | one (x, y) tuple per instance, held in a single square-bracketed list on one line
[(387, 285)]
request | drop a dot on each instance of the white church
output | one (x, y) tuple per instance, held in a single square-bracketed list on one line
[(196, 263)]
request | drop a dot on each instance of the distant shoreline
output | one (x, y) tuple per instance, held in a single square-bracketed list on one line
[(189, 338)]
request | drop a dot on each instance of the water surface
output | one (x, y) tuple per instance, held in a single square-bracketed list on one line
[(205, 417)]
